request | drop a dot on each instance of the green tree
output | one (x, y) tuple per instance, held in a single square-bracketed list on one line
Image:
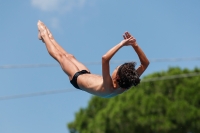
[(161, 106)]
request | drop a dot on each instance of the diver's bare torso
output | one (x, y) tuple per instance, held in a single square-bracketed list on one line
[(94, 84)]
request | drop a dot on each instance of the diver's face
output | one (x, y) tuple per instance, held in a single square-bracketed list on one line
[(114, 74), (115, 77)]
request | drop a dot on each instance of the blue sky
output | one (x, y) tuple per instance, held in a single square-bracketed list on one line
[(87, 29)]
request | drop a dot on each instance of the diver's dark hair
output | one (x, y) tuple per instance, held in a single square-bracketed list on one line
[(127, 75)]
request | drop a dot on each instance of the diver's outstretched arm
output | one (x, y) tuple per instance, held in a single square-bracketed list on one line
[(107, 80), (143, 59)]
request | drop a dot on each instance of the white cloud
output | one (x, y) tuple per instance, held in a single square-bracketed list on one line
[(46, 5), (58, 5)]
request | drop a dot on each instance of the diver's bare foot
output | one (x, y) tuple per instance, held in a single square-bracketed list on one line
[(42, 31), (49, 34), (40, 37)]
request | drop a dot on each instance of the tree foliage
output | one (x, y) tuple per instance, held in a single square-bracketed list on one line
[(163, 106)]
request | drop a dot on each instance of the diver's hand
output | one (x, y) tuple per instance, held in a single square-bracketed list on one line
[(129, 39)]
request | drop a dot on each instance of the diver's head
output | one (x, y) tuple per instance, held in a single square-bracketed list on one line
[(126, 75)]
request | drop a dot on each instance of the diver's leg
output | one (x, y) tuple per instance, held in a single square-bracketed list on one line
[(67, 65), (69, 56)]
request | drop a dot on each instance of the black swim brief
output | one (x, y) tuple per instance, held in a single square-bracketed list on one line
[(74, 79)]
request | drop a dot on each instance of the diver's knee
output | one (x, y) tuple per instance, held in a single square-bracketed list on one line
[(60, 57), (70, 56)]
